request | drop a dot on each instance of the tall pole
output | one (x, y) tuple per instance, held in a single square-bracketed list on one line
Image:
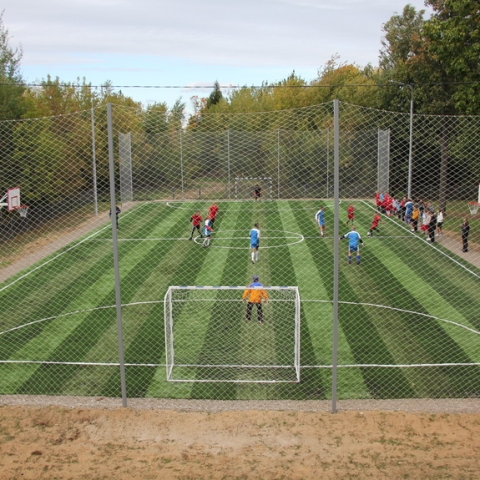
[(228, 164), (181, 165), (410, 145), (336, 247), (94, 161), (116, 261), (278, 164)]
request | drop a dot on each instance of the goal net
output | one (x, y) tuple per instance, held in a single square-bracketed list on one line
[(248, 188), (209, 339)]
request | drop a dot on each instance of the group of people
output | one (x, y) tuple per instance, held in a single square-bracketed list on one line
[(196, 221), (419, 213), (418, 216), (411, 213)]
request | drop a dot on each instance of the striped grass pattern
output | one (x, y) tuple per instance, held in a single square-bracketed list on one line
[(408, 314)]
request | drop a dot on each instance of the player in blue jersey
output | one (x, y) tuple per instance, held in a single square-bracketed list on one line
[(320, 218), (354, 240), (255, 242)]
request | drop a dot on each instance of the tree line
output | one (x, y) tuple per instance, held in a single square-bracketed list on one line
[(433, 61)]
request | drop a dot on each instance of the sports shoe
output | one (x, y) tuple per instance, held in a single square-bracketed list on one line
[(260, 322), (253, 261)]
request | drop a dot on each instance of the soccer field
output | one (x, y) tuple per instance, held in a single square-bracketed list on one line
[(408, 314)]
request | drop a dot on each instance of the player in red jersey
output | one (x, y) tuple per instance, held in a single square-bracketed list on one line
[(350, 213), (374, 226), (212, 212), (196, 220), (388, 204)]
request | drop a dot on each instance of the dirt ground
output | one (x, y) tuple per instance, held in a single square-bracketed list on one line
[(49, 439), (57, 442)]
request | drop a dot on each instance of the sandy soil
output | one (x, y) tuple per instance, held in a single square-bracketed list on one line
[(71, 438), (91, 443)]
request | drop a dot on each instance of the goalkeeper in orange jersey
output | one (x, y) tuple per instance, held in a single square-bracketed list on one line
[(254, 295)]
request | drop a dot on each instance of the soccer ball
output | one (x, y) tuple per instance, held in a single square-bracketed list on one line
[(369, 234)]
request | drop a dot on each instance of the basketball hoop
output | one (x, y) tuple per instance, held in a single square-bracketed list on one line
[(22, 210), (473, 207)]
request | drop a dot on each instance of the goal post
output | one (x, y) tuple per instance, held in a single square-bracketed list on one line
[(244, 188), (208, 337)]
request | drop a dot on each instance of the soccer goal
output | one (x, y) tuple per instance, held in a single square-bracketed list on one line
[(209, 339), (256, 188)]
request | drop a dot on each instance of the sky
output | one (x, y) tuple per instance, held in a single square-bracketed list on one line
[(190, 44)]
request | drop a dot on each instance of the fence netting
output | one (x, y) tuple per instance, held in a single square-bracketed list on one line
[(408, 266)]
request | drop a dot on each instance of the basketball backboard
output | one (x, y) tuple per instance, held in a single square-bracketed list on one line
[(13, 198)]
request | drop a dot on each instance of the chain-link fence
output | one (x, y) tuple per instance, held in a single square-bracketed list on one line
[(365, 212)]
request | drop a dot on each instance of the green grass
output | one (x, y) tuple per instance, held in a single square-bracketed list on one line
[(407, 304)]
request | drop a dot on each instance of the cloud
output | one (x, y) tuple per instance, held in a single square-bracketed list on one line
[(247, 33)]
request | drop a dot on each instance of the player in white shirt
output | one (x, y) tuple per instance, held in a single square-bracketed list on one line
[(320, 218), (207, 231)]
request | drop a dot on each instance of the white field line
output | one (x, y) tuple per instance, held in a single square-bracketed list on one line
[(156, 365), (65, 251), (150, 302), (412, 234), (192, 204), (297, 237), (185, 238)]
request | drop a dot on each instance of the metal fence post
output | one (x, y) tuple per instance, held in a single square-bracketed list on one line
[(336, 247), (116, 263), (94, 163)]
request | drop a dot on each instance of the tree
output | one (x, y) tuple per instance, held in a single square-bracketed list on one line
[(453, 47), (402, 34), (11, 83), (439, 58), (216, 96)]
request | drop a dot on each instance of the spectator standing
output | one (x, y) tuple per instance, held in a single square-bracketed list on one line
[(415, 217), (432, 225), (440, 217), (465, 233), (117, 213)]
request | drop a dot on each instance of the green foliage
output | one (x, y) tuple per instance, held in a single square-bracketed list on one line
[(216, 96), (453, 47), (438, 56)]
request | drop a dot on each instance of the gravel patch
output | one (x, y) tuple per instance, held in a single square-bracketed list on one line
[(453, 405)]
